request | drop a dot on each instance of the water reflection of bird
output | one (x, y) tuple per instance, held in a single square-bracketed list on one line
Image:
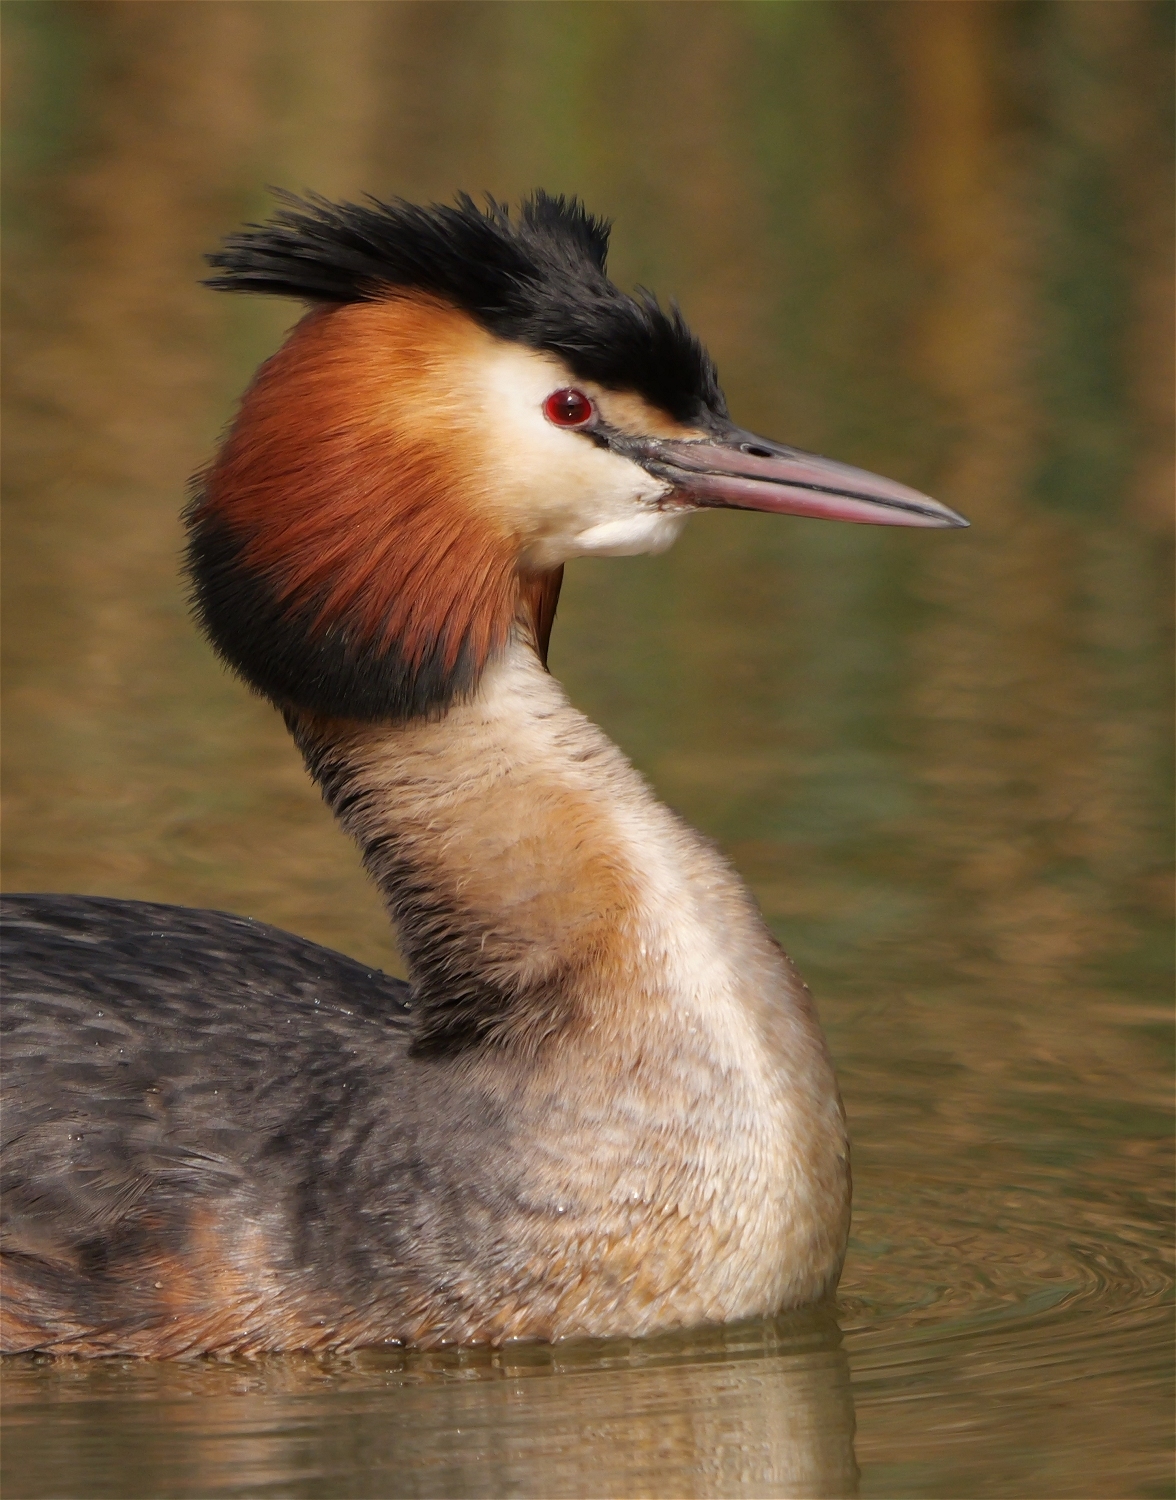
[(603, 1104)]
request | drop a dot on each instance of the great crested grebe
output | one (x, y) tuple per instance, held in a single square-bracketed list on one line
[(602, 1104)]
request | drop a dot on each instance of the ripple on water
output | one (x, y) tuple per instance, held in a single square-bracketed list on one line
[(979, 1250), (1017, 1332)]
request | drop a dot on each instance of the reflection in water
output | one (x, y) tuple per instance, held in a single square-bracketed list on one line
[(754, 1409), (932, 240)]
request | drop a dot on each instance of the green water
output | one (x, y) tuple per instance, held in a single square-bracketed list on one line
[(933, 240)]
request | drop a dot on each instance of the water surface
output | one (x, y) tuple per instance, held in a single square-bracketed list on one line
[(931, 240)]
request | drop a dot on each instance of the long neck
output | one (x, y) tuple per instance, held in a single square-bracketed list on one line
[(536, 884)]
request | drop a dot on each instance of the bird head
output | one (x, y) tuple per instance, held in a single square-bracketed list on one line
[(468, 403)]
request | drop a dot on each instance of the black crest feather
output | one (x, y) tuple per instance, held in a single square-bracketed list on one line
[(538, 279)]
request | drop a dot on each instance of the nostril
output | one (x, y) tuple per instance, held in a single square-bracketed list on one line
[(757, 452)]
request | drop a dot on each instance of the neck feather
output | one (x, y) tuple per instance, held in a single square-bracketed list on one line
[(494, 838), (536, 884)]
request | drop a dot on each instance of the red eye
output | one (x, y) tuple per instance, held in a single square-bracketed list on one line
[(568, 408)]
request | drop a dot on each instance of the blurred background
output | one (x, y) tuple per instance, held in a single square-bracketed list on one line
[(934, 240)]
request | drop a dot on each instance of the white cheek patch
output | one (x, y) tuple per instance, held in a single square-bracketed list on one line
[(562, 494)]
